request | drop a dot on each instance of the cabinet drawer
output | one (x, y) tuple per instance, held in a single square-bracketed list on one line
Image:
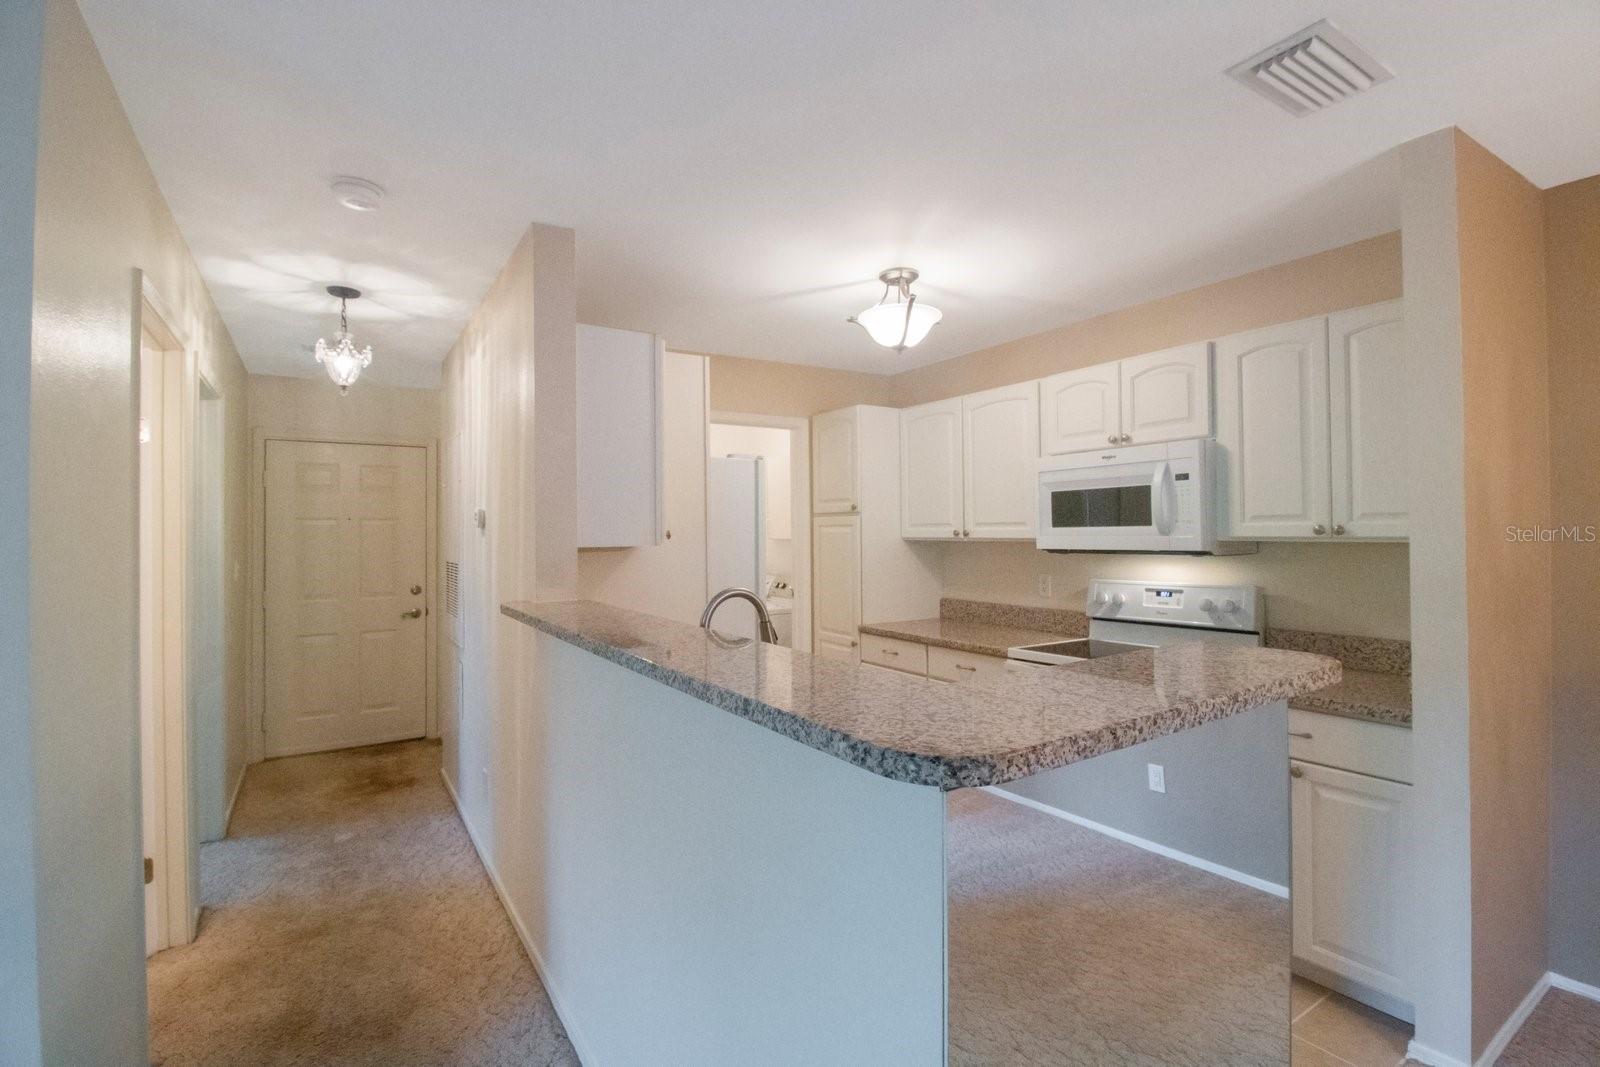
[(948, 665), (1373, 748), (892, 652)]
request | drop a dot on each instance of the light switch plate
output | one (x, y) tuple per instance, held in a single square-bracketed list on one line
[(1043, 586), (1158, 777)]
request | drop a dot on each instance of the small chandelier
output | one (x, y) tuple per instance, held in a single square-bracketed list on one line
[(343, 361), (898, 321)]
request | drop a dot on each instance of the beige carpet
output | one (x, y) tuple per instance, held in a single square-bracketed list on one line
[(1069, 948), (348, 921), (1563, 1031)]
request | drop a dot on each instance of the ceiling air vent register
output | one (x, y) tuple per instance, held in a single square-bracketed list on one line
[(1312, 70)]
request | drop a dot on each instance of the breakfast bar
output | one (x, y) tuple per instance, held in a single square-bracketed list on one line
[(740, 848)]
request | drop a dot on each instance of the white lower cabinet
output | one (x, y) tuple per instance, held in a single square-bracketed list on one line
[(1349, 879), (836, 576), (948, 665)]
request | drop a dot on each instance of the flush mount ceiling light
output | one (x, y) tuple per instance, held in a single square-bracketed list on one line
[(357, 194), (341, 359), (899, 320)]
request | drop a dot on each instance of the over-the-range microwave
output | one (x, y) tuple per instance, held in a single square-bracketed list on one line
[(1145, 498)]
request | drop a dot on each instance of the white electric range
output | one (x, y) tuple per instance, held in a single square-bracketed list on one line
[(1125, 615)]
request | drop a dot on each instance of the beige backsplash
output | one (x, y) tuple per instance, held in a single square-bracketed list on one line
[(1334, 588)]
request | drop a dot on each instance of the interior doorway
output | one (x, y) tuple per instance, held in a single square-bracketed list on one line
[(784, 443), (166, 477), (345, 595)]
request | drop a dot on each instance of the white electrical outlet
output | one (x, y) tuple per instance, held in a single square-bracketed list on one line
[(1158, 777), (1044, 586)]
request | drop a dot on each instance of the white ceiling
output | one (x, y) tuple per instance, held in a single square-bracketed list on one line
[(738, 173)]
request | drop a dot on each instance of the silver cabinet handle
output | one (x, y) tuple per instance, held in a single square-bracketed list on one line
[(854, 507), (964, 667), (966, 533), (416, 590), (889, 651), (1319, 529), (955, 533), (1338, 529), (853, 644), (1306, 737), (414, 613), (1296, 772), (1111, 440), (1127, 438)]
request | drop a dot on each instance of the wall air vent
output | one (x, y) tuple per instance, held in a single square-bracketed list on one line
[(1312, 70)]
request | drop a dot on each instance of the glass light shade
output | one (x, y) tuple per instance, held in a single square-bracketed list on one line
[(342, 361), (887, 323)]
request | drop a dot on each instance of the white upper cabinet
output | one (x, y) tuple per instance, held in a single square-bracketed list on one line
[(835, 482), (620, 423), (931, 491), (1080, 410), (1000, 436), (1272, 425), (1367, 397), (1166, 396), (1143, 400)]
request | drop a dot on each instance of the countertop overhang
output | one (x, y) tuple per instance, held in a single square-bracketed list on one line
[(1022, 721)]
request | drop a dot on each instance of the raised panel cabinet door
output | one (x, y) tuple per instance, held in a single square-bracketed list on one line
[(620, 422), (1000, 439), (346, 572), (1272, 427), (930, 471), (1166, 396), (1351, 839), (1368, 410), (836, 586), (1080, 410), (834, 470)]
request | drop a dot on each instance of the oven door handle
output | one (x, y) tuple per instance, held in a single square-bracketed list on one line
[(1164, 494)]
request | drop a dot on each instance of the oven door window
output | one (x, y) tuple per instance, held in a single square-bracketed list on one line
[(1110, 507)]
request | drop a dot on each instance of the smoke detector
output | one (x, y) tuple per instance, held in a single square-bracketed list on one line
[(357, 194), (1312, 70)]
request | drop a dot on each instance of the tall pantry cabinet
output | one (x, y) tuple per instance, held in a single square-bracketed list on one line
[(862, 570)]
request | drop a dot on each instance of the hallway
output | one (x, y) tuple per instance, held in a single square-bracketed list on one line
[(348, 921)]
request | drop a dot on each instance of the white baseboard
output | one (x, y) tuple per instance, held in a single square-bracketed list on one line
[(1149, 846), (1514, 1022), (579, 1045)]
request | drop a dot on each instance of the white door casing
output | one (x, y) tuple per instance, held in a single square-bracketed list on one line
[(1368, 415), (1000, 442), (1272, 426), (1166, 396), (345, 568), (836, 584), (931, 500), (1080, 409)]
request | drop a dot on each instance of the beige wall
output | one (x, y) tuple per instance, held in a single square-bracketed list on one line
[(762, 387), (1505, 364), (308, 407), (1363, 273), (100, 217), (1572, 249)]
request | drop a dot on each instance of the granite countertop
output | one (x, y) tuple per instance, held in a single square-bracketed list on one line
[(1377, 696), (1022, 720), (963, 635)]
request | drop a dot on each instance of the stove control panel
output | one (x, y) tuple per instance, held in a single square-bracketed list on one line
[(1212, 607)]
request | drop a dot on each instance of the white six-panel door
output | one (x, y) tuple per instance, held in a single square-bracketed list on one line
[(931, 504), (1166, 396), (1368, 416), (1000, 439), (346, 566), (836, 586), (1080, 410), (1272, 426)]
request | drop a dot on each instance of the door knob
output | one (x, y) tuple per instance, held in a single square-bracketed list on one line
[(414, 613), (1338, 529), (1296, 772), (416, 590), (1111, 440), (1127, 438), (1319, 529), (955, 533)]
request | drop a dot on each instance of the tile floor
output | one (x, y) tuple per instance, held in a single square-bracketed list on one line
[(1330, 1030)]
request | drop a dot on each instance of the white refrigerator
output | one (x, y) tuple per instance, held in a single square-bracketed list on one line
[(736, 538)]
